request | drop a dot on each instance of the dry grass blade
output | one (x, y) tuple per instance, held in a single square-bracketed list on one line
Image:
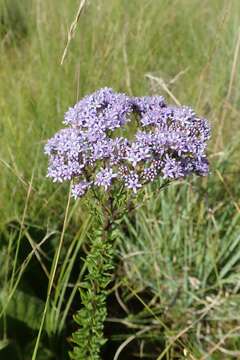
[(178, 76), (184, 331), (218, 345), (121, 303), (37, 252), (73, 27), (230, 87), (52, 276), (20, 273), (126, 63), (163, 85), (9, 167), (129, 339), (222, 21), (20, 232)]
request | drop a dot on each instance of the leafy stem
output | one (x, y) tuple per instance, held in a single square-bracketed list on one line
[(89, 337)]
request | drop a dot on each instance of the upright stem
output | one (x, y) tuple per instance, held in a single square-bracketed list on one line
[(90, 337)]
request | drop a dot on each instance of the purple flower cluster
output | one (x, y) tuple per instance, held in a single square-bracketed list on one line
[(92, 151)]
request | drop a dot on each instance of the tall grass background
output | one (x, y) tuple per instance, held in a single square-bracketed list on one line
[(176, 290)]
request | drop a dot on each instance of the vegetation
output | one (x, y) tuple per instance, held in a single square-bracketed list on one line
[(176, 290)]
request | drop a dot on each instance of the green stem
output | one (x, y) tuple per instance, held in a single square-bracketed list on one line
[(89, 338)]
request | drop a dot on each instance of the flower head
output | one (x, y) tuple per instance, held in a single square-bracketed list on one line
[(170, 142), (104, 177)]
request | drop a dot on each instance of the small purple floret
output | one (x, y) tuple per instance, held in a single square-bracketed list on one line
[(104, 178), (170, 142)]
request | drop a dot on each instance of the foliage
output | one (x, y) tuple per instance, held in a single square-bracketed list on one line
[(180, 252), (99, 262)]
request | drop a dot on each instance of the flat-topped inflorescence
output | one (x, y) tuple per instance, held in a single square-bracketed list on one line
[(169, 142)]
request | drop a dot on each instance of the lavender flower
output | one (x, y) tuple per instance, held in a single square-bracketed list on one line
[(170, 142), (78, 190), (131, 181), (104, 178)]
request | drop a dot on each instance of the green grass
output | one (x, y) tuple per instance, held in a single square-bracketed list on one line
[(179, 258)]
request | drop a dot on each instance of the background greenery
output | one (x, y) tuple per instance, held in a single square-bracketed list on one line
[(176, 292)]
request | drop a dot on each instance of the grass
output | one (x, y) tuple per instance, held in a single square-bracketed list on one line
[(177, 286)]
